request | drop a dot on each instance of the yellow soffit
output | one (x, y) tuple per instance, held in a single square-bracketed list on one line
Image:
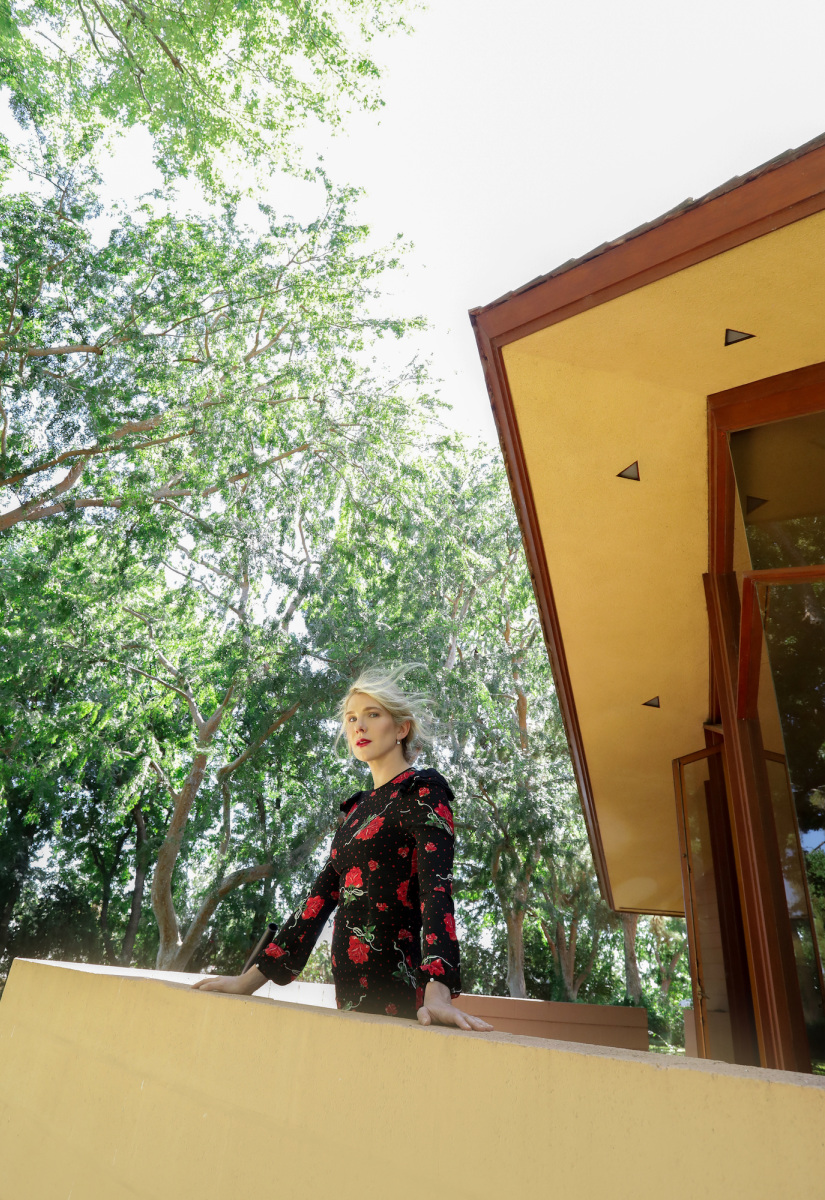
[(627, 382)]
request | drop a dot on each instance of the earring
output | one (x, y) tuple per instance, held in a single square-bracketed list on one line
[(398, 743)]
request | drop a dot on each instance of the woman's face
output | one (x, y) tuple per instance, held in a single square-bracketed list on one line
[(371, 731)]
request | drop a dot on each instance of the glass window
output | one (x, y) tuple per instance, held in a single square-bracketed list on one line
[(780, 478)]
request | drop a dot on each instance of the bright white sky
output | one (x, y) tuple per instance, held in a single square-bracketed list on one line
[(518, 135)]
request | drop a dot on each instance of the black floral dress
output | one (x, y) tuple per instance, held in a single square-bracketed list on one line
[(390, 875)]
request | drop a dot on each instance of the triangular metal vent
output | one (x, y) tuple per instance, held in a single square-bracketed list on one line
[(752, 503), (631, 472), (654, 703), (732, 336)]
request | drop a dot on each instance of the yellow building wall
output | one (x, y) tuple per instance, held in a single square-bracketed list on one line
[(114, 1088), (628, 381), (626, 562)]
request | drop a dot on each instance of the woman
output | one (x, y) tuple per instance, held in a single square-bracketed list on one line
[(389, 873)]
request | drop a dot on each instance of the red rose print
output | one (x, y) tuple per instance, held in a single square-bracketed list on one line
[(444, 812), (449, 925), (372, 864), (404, 935), (401, 893), (436, 967), (274, 951), (403, 851), (430, 847), (382, 907), (422, 905), (419, 996), (438, 889), (423, 791), (414, 862), (335, 895), (334, 963), (393, 795), (431, 937), (353, 878), (369, 831), (364, 981), (313, 906), (358, 950), (408, 961), (391, 1010), (301, 938), (334, 853)]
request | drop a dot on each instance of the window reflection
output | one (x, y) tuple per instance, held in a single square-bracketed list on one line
[(780, 478)]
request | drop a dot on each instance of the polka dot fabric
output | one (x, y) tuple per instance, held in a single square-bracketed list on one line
[(389, 874)]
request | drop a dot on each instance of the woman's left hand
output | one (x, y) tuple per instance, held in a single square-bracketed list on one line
[(438, 1009)]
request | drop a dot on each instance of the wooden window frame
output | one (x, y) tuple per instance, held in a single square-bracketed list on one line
[(736, 633)]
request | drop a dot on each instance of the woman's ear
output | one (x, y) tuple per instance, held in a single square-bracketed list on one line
[(402, 730)]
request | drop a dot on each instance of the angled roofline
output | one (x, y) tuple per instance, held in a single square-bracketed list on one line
[(786, 189), (779, 192)]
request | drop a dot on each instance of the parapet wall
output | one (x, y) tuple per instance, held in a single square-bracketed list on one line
[(114, 1086)]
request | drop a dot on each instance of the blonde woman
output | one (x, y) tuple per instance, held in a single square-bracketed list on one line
[(389, 875)]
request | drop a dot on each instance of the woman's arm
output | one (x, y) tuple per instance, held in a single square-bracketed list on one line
[(286, 955), (430, 821)]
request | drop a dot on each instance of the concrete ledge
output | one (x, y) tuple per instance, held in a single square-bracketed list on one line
[(116, 1086)]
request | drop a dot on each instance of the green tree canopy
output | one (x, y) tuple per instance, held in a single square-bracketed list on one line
[(223, 79)]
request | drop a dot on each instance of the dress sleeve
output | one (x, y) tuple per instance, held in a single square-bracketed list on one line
[(430, 822), (286, 955)]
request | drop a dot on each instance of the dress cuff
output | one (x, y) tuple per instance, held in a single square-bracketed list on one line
[(449, 976), (274, 966)]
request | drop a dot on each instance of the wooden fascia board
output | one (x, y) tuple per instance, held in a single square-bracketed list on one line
[(522, 492), (786, 194)]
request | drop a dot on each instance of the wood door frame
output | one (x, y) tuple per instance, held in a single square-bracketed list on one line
[(734, 663)]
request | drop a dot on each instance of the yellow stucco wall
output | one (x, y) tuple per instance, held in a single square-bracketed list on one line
[(623, 382), (117, 1087)]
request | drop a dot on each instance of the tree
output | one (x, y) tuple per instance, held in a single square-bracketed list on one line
[(438, 566), (194, 365), (633, 981), (569, 909), (183, 358), (210, 81)]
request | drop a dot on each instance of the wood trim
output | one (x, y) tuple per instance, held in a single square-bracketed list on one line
[(504, 414), (750, 652), (780, 1024), (780, 197), (734, 681), (791, 394), (731, 924), (694, 948)]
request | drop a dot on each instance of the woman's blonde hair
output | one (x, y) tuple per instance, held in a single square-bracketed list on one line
[(384, 687)]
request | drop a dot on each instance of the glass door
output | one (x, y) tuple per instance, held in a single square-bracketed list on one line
[(722, 1006)]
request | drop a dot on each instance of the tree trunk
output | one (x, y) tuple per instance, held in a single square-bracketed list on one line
[(633, 982), (141, 869), (163, 904), (16, 848), (516, 985)]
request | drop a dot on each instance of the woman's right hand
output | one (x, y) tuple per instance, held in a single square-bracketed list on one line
[(235, 985)]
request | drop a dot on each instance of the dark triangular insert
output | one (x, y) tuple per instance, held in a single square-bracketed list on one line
[(752, 503), (736, 335), (631, 472), (654, 703)]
